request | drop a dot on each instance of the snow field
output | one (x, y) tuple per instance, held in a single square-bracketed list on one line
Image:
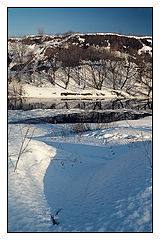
[(100, 180), (95, 191)]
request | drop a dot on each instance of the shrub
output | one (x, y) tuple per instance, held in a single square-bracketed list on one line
[(80, 127)]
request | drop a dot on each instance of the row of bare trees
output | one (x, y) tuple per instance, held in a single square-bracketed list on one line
[(88, 67), (101, 66)]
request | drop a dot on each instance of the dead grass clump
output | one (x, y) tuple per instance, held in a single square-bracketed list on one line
[(80, 127)]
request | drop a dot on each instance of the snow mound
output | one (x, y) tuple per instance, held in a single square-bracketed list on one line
[(28, 210)]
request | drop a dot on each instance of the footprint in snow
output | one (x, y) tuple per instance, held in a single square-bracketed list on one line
[(53, 217), (113, 153)]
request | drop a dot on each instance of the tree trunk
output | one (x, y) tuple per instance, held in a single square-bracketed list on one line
[(67, 82)]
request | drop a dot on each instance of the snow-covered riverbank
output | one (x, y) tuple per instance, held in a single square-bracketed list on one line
[(100, 180)]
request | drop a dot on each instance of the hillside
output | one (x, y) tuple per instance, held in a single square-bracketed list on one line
[(80, 65)]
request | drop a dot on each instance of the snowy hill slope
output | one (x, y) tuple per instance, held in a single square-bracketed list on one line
[(79, 62), (114, 42)]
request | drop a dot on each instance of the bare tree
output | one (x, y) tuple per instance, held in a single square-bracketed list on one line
[(148, 78), (114, 69), (52, 58), (98, 64), (145, 76), (129, 72), (41, 31), (70, 58), (98, 72), (20, 71), (144, 69)]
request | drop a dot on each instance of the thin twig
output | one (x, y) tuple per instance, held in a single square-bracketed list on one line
[(22, 148), (148, 154), (145, 148)]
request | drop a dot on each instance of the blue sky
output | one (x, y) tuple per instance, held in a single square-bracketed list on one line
[(23, 21)]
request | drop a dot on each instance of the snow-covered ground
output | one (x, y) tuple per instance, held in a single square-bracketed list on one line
[(94, 181), (58, 91), (47, 90)]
